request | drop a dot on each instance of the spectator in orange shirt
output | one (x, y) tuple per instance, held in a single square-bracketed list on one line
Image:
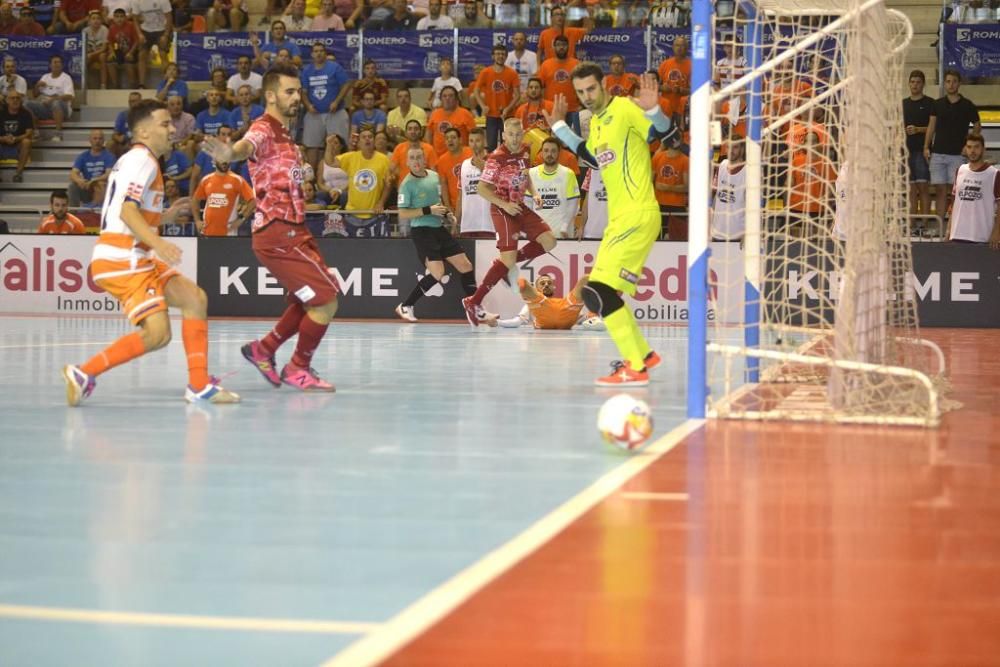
[(498, 90), (60, 220), (449, 115), (530, 112), (787, 90), (619, 82), (813, 178), (414, 133), (449, 166), (670, 178), (556, 29), (675, 73), (228, 200), (556, 75)]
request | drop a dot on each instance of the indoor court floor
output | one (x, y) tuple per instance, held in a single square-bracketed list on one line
[(452, 504)]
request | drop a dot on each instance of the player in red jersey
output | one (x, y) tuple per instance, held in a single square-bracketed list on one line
[(281, 240), (503, 184)]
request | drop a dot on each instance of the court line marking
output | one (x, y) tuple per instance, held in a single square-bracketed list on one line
[(432, 607), (25, 612), (644, 495)]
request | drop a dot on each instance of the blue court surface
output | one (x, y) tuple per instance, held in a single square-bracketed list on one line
[(140, 530)]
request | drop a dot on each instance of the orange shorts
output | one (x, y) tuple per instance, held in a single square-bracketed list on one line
[(141, 294)]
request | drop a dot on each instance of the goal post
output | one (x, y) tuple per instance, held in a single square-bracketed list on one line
[(805, 222)]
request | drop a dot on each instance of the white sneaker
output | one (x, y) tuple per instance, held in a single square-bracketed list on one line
[(406, 313), (594, 323), (57, 137), (484, 317)]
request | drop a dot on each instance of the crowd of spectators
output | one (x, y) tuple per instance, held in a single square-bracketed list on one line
[(354, 132)]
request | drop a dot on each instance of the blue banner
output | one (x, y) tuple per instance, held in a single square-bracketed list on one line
[(32, 55), (409, 54), (973, 50), (474, 47), (343, 46), (199, 53)]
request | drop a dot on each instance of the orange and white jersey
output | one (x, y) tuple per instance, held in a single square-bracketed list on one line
[(554, 313), (137, 178)]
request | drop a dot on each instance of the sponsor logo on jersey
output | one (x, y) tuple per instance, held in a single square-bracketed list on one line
[(365, 180), (605, 157)]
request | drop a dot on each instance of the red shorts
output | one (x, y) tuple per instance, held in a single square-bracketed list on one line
[(509, 227), (290, 253)]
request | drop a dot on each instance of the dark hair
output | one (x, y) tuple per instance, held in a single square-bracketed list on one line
[(367, 127), (917, 74), (455, 130), (278, 22), (560, 38), (402, 89), (54, 56), (588, 68), (142, 111), (451, 88), (58, 194), (952, 72), (976, 139), (411, 122), (552, 140), (475, 130), (274, 74), (535, 78), (317, 43), (498, 47)]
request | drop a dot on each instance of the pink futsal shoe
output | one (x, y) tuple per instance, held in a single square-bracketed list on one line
[(211, 393), (79, 385), (305, 379), (471, 311), (262, 362)]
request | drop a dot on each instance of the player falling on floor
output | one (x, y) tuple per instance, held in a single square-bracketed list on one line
[(545, 310), (503, 183), (124, 265), (420, 203), (281, 241), (620, 129)]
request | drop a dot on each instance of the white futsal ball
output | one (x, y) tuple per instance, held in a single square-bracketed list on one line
[(626, 421)]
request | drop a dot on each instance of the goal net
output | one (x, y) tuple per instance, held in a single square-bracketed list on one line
[(811, 194)]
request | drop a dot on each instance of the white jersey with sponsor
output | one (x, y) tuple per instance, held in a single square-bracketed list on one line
[(729, 204), (137, 178), (560, 195), (976, 194), (597, 205), (475, 209)]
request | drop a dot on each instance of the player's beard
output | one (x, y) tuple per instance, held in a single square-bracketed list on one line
[(289, 111)]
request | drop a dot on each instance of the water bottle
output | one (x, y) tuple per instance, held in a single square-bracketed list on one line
[(533, 12)]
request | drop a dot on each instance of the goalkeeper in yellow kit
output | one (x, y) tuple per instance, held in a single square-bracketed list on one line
[(620, 131)]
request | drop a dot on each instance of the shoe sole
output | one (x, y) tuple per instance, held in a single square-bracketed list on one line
[(622, 385), (73, 393), (472, 322), (253, 363)]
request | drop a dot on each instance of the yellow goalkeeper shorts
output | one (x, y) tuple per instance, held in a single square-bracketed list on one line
[(624, 249)]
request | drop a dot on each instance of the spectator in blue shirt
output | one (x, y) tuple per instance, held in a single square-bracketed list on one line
[(278, 41), (208, 122), (368, 115), (245, 112), (325, 85), (177, 166), (172, 84), (89, 175), (121, 140)]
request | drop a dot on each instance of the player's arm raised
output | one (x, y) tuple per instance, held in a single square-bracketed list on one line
[(648, 99), (557, 121), (220, 151)]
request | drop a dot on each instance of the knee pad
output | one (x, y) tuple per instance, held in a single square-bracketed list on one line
[(601, 299)]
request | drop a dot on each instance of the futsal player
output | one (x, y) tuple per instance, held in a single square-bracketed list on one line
[(146, 284), (620, 129)]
